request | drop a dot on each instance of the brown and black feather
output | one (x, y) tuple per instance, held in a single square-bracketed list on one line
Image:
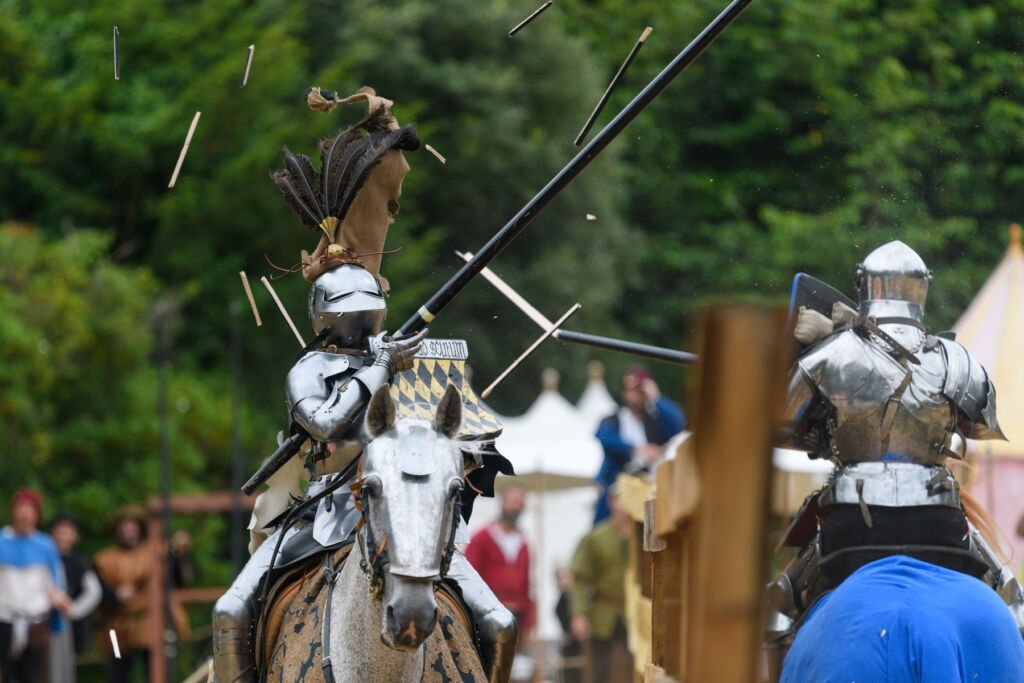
[(346, 162)]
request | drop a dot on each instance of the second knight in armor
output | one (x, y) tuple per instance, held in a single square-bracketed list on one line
[(887, 401)]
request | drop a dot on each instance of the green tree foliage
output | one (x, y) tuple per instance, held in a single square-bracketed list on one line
[(88, 150), (810, 133), (78, 385)]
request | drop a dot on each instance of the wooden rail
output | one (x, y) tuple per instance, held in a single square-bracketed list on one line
[(210, 503), (706, 523)]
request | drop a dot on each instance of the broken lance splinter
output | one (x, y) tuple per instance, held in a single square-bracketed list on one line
[(443, 296), (611, 87), (658, 353)]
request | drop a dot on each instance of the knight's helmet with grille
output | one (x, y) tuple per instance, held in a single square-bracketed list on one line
[(892, 282)]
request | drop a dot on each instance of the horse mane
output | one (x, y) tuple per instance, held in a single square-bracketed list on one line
[(982, 520)]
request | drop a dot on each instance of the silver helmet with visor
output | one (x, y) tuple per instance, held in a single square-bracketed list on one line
[(348, 302)]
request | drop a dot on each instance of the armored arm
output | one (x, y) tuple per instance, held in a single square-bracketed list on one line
[(969, 388), (325, 400), (805, 415)]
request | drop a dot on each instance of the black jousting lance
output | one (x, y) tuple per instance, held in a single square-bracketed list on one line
[(658, 353), (503, 237)]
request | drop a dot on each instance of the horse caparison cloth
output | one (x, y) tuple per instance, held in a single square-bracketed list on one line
[(294, 619)]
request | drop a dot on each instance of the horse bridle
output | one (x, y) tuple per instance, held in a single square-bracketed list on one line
[(373, 556)]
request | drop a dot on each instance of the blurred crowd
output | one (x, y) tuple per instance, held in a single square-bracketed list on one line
[(591, 606), (56, 604)]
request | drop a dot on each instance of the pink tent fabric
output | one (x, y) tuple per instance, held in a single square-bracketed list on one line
[(992, 328)]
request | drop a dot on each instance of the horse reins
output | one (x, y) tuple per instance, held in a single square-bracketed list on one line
[(372, 554)]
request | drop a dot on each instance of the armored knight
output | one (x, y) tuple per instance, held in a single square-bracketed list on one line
[(331, 382), (888, 402)]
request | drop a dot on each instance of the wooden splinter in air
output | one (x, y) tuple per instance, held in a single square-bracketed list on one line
[(551, 330), (611, 86), (280, 306)]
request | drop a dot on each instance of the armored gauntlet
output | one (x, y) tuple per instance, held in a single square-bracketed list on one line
[(396, 354)]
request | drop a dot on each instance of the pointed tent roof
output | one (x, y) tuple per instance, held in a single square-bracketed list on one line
[(992, 328), (595, 402), (551, 437)]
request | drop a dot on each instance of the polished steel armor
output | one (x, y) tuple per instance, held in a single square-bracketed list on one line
[(893, 280), (888, 402), (325, 392), (347, 301), (883, 387)]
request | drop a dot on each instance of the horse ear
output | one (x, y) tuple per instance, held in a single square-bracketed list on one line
[(448, 418), (380, 414)]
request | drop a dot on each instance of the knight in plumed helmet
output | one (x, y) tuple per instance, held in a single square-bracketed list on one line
[(350, 202)]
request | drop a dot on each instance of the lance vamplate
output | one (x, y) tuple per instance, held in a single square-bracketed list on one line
[(503, 237), (511, 230)]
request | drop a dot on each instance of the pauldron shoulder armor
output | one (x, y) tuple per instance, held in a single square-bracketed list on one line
[(310, 375), (968, 387), (845, 368)]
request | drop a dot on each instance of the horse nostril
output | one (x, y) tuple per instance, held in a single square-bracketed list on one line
[(392, 620)]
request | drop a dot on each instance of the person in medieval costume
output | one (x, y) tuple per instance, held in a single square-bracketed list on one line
[(887, 401), (352, 201)]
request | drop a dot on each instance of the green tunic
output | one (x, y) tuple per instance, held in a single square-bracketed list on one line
[(599, 573)]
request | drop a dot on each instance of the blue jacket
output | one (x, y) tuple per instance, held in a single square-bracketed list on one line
[(663, 421)]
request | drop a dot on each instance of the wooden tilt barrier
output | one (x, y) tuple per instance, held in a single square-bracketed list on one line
[(700, 552)]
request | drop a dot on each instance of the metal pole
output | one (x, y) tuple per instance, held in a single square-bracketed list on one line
[(237, 475), (658, 353), (169, 635), (504, 236)]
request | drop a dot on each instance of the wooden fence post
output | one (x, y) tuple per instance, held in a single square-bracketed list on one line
[(738, 399)]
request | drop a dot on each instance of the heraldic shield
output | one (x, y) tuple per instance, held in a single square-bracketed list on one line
[(418, 391)]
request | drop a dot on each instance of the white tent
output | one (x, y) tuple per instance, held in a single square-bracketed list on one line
[(556, 456), (595, 402)]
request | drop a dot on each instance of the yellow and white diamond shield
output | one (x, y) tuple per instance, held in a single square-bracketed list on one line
[(417, 393)]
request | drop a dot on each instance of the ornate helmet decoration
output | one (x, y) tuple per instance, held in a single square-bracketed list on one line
[(353, 195), (893, 281), (350, 200)]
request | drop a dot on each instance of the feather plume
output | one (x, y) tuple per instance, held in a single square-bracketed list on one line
[(355, 172), (333, 152), (293, 197), (304, 179), (346, 162)]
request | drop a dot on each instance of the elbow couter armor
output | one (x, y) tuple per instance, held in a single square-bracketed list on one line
[(326, 391)]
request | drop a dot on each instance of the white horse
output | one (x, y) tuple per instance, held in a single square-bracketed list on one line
[(378, 609)]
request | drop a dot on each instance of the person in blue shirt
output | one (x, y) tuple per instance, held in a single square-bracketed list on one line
[(31, 588), (632, 438)]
